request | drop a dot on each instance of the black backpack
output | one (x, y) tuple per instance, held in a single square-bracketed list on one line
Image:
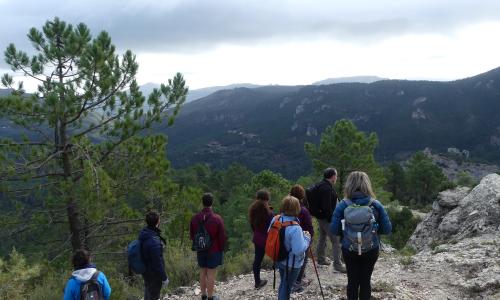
[(91, 289), (312, 201), (202, 240)]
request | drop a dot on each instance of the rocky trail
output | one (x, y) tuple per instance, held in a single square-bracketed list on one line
[(458, 258)]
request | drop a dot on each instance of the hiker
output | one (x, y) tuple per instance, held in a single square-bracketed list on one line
[(209, 259), (86, 280), (260, 215), (360, 258), (327, 200), (305, 222), (296, 242), (152, 245)]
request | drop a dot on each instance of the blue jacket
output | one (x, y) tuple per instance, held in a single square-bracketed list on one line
[(72, 289), (383, 222), (152, 252), (295, 242)]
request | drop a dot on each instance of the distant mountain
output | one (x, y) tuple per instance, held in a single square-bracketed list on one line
[(266, 127), (199, 93), (359, 79)]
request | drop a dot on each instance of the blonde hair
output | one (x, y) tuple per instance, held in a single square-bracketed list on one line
[(358, 181), (290, 206)]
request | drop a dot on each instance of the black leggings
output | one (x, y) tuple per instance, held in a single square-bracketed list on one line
[(359, 273), (257, 262)]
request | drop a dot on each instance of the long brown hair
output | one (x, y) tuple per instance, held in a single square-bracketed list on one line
[(259, 210)]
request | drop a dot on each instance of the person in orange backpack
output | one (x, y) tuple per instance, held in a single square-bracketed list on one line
[(295, 242)]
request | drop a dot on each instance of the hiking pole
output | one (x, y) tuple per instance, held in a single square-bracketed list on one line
[(317, 275)]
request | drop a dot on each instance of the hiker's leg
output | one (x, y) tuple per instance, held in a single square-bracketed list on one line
[(337, 262), (203, 280), (211, 281), (353, 274), (369, 260), (257, 262), (282, 287), (303, 269), (152, 287), (320, 248)]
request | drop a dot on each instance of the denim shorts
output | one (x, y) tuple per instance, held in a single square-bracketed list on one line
[(209, 260)]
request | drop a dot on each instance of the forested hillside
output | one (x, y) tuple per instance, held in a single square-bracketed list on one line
[(267, 127)]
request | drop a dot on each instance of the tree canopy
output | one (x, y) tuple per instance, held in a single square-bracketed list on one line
[(83, 121)]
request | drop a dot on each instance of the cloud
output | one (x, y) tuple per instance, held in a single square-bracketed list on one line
[(187, 26)]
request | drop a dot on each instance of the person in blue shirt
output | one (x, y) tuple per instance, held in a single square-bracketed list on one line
[(83, 272), (358, 190), (296, 243)]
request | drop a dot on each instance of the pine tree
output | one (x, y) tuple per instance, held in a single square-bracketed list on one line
[(86, 111), (345, 148)]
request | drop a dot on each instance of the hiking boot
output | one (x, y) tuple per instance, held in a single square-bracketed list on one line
[(324, 262), (297, 289), (260, 284), (339, 268), (204, 297), (213, 298), (304, 282)]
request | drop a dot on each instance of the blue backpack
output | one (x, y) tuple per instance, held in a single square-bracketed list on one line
[(134, 255), (360, 226)]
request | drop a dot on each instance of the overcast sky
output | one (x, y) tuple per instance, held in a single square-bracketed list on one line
[(220, 42)]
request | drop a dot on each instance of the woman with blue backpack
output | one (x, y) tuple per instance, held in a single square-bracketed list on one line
[(359, 219)]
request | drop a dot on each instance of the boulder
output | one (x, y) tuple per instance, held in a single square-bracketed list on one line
[(460, 213)]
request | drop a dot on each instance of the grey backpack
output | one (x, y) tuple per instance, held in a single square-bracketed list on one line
[(359, 226)]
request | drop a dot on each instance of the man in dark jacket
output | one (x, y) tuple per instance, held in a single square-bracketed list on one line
[(327, 198), (152, 253)]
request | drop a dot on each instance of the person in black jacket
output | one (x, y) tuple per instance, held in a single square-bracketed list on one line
[(328, 198), (152, 254)]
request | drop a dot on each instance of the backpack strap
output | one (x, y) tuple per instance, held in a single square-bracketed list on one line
[(348, 202), (94, 276)]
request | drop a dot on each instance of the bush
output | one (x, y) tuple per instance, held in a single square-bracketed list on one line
[(403, 225)]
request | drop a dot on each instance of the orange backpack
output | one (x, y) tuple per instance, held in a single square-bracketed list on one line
[(275, 247)]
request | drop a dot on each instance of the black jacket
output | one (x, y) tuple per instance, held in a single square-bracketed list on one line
[(327, 198), (152, 252)]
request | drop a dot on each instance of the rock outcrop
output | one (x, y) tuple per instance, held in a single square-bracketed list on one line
[(461, 213)]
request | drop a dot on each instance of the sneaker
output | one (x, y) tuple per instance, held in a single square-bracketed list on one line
[(262, 283), (339, 268)]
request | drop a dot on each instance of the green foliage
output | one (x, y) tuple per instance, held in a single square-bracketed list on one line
[(403, 226), (464, 178), (347, 149), (16, 276), (396, 181), (424, 179), (83, 162)]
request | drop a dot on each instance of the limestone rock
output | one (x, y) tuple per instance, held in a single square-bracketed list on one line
[(461, 213)]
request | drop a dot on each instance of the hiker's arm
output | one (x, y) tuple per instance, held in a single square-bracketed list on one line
[(336, 225), (222, 235), (69, 291), (157, 265), (325, 201), (106, 289), (308, 226), (300, 242), (385, 226)]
